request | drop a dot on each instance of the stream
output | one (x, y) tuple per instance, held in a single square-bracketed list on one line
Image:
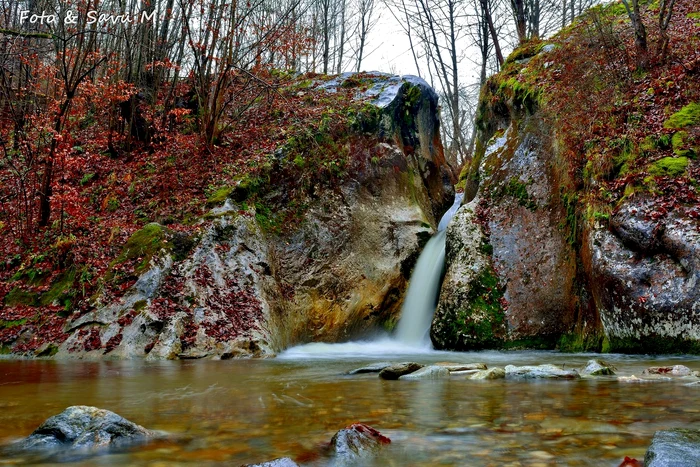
[(244, 411)]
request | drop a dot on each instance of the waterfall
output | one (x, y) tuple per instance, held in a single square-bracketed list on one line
[(424, 286), (411, 334)]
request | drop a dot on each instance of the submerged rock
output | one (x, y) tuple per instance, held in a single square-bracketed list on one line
[(596, 368), (356, 444), (492, 373), (540, 371), (674, 448), (373, 368), (85, 427), (428, 372), (397, 370), (452, 367)]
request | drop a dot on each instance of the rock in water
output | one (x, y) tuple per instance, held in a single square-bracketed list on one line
[(676, 370), (596, 368), (398, 370), (356, 443), (81, 426), (540, 371), (673, 448), (428, 372), (281, 462), (372, 368), (493, 373)]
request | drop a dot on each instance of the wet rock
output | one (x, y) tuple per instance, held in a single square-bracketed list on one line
[(540, 371), (596, 368), (373, 368), (644, 275), (88, 427), (281, 462), (356, 444), (428, 372), (676, 370), (462, 366), (674, 448), (397, 370), (510, 269), (634, 379), (492, 373)]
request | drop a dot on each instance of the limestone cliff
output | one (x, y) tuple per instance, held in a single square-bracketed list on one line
[(580, 226), (273, 265)]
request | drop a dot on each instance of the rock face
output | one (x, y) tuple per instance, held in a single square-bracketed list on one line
[(84, 427), (355, 444), (242, 289), (510, 269), (646, 279), (672, 448), (532, 262)]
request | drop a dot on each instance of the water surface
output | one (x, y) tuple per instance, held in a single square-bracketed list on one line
[(235, 412)]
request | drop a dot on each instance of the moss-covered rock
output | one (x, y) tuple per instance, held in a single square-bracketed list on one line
[(669, 166)]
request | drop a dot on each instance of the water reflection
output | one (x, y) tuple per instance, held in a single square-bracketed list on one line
[(237, 412)]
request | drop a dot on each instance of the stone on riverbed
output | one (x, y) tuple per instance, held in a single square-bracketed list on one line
[(493, 373), (428, 372), (677, 370), (372, 368), (356, 444), (540, 371), (399, 369), (670, 448), (83, 427), (281, 462), (597, 368), (462, 366)]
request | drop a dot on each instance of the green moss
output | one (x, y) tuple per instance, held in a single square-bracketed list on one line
[(527, 50), (7, 324), (49, 351), (17, 296), (669, 166), (140, 305), (266, 218), (570, 203), (651, 345), (578, 342), (143, 244), (219, 196), (687, 116), (518, 190), (685, 145), (60, 290), (479, 322)]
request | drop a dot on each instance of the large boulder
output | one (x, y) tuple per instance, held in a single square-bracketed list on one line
[(83, 427), (356, 445), (244, 289), (645, 273), (511, 270), (674, 448)]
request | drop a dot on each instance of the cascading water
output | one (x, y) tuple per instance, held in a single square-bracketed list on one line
[(424, 287), (412, 331)]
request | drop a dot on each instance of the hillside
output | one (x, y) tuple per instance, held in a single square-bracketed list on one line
[(262, 240)]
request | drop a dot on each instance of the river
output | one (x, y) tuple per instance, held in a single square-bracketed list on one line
[(243, 411)]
